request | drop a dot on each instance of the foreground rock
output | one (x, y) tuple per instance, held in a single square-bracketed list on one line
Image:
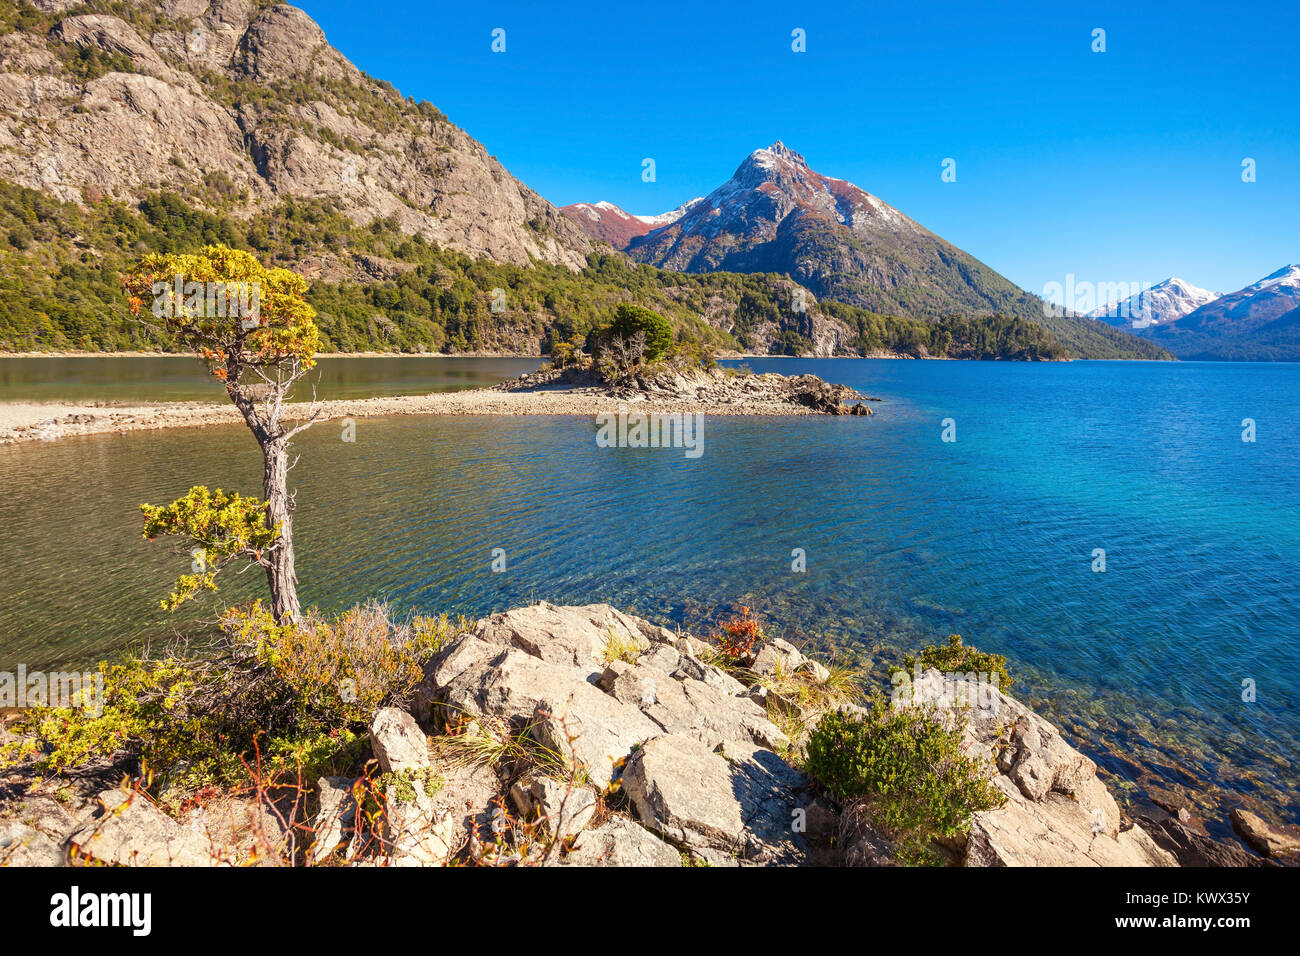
[(629, 702), (1058, 813), (131, 831), (584, 736), (397, 741), (737, 803)]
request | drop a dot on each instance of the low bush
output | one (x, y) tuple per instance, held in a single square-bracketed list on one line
[(957, 658), (741, 634), (910, 771), (293, 699)]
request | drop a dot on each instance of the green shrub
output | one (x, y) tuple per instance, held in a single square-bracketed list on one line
[(631, 319), (957, 658), (908, 769)]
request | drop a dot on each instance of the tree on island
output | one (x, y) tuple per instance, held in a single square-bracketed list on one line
[(636, 337), (254, 329)]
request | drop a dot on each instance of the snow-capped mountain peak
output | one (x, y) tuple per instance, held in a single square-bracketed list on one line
[(610, 223), (1286, 277), (1163, 302)]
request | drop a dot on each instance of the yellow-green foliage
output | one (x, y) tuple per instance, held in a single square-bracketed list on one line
[(958, 658), (341, 671), (403, 783), (219, 528), (276, 698), (147, 709), (286, 328)]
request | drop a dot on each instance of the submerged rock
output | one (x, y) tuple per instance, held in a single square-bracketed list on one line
[(1267, 839)]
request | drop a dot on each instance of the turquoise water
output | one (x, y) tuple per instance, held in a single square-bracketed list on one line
[(907, 538)]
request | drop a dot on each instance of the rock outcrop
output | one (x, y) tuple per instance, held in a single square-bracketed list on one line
[(586, 736), (716, 388), (131, 831), (252, 101), (1058, 812)]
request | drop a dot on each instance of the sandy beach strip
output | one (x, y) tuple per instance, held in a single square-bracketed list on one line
[(49, 421)]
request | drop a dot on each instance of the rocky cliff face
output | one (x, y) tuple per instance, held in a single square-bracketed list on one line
[(241, 105)]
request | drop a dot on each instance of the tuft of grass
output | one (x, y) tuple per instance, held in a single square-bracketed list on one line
[(495, 743), (620, 649), (809, 698)]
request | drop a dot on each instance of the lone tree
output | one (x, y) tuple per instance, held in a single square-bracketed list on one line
[(634, 337), (257, 334)]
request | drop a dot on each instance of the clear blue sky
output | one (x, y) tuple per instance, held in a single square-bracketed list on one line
[(1115, 166)]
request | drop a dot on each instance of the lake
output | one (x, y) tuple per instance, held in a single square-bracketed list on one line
[(907, 537), (174, 378)]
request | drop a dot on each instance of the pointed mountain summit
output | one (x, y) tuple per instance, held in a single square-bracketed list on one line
[(1164, 302), (777, 214)]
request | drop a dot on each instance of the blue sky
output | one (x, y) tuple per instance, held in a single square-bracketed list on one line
[(1122, 166)]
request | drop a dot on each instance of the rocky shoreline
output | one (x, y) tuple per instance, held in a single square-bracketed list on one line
[(663, 758), (549, 392)]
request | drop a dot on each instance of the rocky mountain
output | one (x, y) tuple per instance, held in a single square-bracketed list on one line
[(776, 214), (1260, 322), (606, 222), (1164, 302), (237, 105), (145, 125)]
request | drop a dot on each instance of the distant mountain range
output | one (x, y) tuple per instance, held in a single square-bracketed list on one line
[(1164, 302), (777, 215), (171, 123), (1260, 322), (606, 222)]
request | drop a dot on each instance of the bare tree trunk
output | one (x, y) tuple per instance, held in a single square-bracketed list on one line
[(280, 574)]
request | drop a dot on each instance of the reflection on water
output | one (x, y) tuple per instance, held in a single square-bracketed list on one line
[(907, 538), (177, 378)]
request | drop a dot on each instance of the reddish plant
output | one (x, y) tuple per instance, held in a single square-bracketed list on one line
[(740, 637)]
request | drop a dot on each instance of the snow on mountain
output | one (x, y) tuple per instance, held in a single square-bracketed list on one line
[(609, 223), (778, 215), (1260, 321), (1163, 302)]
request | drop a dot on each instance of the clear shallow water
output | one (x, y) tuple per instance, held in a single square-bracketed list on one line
[(174, 378), (907, 538)]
